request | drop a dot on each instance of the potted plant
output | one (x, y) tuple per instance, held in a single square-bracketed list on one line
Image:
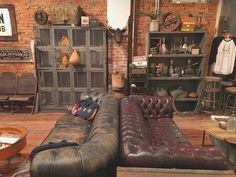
[(154, 16)]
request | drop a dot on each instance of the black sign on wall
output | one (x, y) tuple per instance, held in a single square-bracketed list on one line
[(15, 54)]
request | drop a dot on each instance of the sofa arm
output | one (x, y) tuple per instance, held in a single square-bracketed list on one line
[(154, 106), (134, 137), (92, 158), (132, 122)]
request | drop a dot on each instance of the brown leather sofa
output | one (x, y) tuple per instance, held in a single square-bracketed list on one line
[(95, 156), (150, 138)]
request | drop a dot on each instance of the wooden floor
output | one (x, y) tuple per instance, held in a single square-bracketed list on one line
[(39, 125)]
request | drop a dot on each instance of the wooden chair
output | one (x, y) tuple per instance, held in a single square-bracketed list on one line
[(7, 88), (26, 90)]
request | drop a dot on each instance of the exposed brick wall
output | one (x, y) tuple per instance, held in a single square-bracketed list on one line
[(184, 10), (17, 68), (25, 10), (117, 55)]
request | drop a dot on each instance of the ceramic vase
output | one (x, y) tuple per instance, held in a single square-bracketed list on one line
[(74, 58), (154, 26)]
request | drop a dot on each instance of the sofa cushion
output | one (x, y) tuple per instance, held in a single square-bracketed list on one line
[(165, 132)]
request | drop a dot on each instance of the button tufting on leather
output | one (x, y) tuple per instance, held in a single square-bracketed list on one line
[(150, 138)]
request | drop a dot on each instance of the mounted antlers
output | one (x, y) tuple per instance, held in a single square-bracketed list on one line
[(118, 34)]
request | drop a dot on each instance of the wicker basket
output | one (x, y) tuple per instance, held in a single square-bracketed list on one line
[(118, 81)]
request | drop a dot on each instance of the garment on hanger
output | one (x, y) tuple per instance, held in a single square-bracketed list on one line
[(214, 48), (225, 57)]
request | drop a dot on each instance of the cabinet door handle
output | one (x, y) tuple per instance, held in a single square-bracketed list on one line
[(57, 49)]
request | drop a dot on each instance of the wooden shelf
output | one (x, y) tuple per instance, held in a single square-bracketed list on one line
[(177, 32), (187, 99), (176, 56), (174, 78)]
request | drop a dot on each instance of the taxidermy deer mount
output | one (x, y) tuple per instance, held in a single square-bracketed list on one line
[(117, 34)]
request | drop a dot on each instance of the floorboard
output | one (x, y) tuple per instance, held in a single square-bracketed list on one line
[(37, 125)]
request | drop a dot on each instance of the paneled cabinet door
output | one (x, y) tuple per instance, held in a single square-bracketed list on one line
[(61, 83)]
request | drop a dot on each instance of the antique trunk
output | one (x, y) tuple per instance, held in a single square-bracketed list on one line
[(65, 15)]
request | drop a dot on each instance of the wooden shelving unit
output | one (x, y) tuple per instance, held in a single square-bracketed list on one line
[(189, 82)]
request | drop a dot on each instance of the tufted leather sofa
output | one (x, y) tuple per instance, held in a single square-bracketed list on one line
[(96, 154), (150, 138)]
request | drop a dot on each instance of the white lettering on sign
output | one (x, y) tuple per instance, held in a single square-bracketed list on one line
[(5, 22)]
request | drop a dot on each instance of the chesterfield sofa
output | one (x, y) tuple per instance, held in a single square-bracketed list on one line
[(150, 140), (96, 154)]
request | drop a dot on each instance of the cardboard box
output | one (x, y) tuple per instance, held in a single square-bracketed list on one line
[(195, 51)]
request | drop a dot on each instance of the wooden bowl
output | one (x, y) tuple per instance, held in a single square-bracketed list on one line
[(17, 140)]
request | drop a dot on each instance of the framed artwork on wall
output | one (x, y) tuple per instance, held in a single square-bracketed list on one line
[(8, 27), (188, 1)]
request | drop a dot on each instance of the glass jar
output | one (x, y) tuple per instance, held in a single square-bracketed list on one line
[(231, 123)]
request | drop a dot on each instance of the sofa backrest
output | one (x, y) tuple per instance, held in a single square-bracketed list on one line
[(8, 83), (95, 95), (154, 106)]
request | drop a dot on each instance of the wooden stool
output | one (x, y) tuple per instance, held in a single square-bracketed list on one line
[(224, 84), (230, 102), (211, 93)]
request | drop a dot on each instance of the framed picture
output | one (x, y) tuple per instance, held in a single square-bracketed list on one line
[(188, 1), (8, 28)]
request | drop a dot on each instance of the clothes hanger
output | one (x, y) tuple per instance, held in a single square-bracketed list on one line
[(228, 37)]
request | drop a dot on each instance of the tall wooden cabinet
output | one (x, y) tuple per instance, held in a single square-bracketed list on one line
[(60, 83), (176, 60)]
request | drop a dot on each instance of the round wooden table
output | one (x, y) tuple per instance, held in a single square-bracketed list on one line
[(227, 140), (12, 141)]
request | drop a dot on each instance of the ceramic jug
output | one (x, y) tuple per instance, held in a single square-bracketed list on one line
[(74, 58)]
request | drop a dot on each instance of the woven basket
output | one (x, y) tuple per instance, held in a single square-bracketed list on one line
[(118, 81)]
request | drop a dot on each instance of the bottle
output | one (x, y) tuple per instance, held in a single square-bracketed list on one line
[(231, 123), (171, 68), (185, 45), (191, 46), (163, 46), (188, 69)]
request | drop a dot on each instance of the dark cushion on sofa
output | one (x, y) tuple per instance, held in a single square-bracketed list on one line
[(149, 140), (97, 150)]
